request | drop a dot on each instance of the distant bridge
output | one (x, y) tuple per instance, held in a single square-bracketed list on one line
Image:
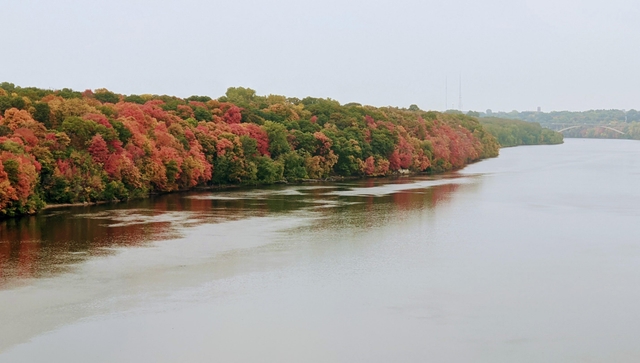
[(566, 128)]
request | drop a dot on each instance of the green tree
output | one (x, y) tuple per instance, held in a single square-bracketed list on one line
[(106, 96), (135, 99), (293, 162), (382, 142), (278, 143), (269, 171), (240, 96), (202, 114), (42, 113)]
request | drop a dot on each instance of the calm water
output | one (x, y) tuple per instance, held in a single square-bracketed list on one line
[(530, 257)]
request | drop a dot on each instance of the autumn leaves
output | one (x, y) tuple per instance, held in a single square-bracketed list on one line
[(68, 147)]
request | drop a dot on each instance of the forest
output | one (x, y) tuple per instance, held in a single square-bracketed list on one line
[(515, 132), (64, 146)]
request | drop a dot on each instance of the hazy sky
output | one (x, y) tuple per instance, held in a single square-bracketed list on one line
[(512, 54)]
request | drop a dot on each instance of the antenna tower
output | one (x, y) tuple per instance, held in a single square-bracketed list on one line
[(460, 95), (446, 93)]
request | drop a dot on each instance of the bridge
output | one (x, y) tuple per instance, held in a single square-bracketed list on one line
[(564, 127)]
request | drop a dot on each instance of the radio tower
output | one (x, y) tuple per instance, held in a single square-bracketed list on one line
[(460, 95), (446, 93)]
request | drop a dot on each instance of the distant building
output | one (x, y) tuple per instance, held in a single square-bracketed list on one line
[(539, 109), (488, 112)]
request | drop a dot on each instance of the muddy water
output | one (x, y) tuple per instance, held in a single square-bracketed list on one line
[(533, 256)]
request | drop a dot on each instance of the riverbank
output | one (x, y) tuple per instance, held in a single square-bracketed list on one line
[(68, 147), (332, 179), (399, 173)]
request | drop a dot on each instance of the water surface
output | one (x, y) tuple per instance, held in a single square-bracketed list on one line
[(533, 256)]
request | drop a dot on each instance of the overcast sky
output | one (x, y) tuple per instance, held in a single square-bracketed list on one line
[(511, 54)]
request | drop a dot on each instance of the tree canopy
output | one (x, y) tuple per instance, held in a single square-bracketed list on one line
[(64, 146)]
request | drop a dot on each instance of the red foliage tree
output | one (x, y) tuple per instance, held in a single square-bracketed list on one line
[(233, 115), (98, 149)]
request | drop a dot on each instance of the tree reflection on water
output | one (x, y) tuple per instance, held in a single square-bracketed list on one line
[(55, 240)]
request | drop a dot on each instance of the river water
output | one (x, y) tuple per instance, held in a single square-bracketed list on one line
[(533, 256)]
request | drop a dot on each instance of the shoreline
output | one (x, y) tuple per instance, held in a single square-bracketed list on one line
[(332, 179), (202, 188)]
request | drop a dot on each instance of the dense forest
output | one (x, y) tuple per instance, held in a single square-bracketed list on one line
[(64, 146), (516, 132)]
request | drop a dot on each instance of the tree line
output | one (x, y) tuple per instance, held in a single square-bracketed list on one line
[(625, 121), (592, 117), (65, 146), (515, 132)]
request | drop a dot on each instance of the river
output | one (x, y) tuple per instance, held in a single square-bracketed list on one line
[(533, 256)]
